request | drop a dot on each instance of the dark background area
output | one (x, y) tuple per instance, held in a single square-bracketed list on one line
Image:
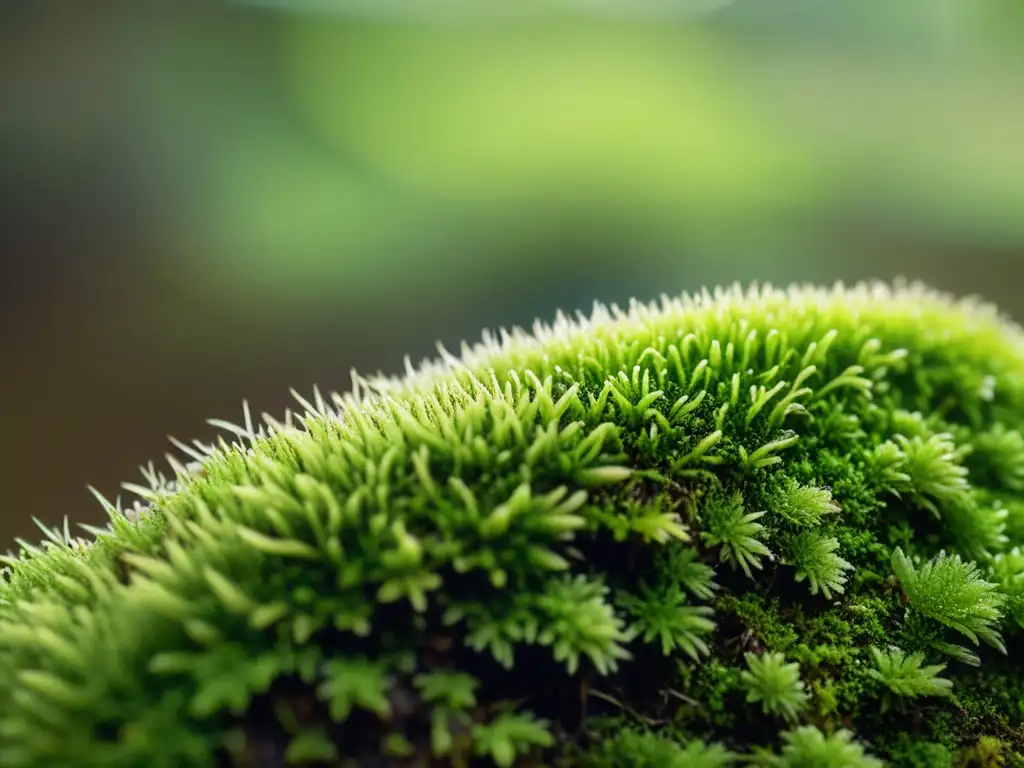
[(200, 204)]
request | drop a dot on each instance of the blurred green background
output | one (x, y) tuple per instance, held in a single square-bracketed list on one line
[(201, 202)]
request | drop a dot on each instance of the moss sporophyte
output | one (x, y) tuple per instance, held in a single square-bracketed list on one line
[(754, 527)]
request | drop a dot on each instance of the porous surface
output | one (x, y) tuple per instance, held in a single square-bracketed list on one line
[(760, 527)]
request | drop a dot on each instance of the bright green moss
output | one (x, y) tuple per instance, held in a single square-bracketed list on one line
[(721, 530)]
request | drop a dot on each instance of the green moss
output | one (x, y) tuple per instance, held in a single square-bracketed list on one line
[(729, 529), (631, 747), (914, 753)]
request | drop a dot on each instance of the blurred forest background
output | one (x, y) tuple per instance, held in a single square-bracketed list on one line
[(201, 203)]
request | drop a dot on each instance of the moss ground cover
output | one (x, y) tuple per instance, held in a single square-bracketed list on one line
[(755, 527)]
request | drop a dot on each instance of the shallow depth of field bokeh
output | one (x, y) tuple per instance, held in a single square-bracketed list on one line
[(200, 204)]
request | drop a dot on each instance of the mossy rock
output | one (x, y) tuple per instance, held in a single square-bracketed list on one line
[(757, 527)]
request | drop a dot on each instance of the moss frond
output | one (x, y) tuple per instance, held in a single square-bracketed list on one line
[(510, 735), (814, 555), (807, 747), (1007, 570), (997, 455), (904, 675), (929, 470), (634, 748), (953, 592), (674, 625), (804, 505), (775, 684), (681, 566), (735, 532)]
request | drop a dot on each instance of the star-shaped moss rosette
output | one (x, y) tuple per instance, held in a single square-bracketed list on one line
[(760, 527)]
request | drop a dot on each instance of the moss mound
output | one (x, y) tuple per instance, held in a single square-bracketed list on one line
[(762, 527)]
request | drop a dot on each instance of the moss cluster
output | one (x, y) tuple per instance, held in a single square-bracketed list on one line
[(764, 527)]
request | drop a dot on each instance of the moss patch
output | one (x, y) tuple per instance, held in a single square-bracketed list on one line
[(756, 527)]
